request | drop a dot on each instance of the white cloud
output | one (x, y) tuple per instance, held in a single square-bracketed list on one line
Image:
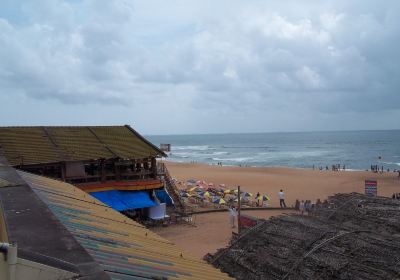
[(204, 56)]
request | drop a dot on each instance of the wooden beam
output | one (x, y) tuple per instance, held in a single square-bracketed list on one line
[(102, 171), (63, 171), (154, 167)]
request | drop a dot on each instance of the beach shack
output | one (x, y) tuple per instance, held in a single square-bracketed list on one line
[(115, 164)]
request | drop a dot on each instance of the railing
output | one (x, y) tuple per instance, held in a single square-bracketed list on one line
[(161, 168), (171, 187)]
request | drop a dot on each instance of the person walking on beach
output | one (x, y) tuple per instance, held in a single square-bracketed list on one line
[(302, 207), (281, 195), (257, 199), (307, 206), (232, 216)]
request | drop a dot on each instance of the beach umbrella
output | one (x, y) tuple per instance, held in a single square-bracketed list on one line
[(189, 184), (219, 201), (201, 182), (196, 189), (196, 194), (230, 191), (247, 194), (222, 185), (185, 194), (265, 198), (191, 181), (206, 194)]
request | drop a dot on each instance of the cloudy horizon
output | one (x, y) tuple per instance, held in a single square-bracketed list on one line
[(183, 67)]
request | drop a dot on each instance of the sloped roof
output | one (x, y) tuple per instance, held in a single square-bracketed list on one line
[(123, 248), (38, 145), (351, 237), (40, 236)]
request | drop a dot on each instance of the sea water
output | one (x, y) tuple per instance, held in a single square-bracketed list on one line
[(356, 150)]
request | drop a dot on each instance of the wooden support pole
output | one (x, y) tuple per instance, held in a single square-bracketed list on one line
[(102, 171), (239, 206), (117, 171), (63, 168), (154, 167)]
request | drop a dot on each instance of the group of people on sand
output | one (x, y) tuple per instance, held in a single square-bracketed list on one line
[(233, 212), (376, 169), (334, 167), (306, 206), (261, 200), (396, 196)]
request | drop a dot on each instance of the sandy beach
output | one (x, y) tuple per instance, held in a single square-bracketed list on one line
[(212, 231), (297, 183), (208, 233)]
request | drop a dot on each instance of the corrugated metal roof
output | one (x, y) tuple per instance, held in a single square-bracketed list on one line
[(124, 248), (37, 145)]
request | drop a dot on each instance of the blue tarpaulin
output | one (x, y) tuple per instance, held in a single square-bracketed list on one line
[(124, 200), (163, 197)]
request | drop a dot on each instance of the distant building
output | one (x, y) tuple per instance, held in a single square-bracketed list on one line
[(165, 147)]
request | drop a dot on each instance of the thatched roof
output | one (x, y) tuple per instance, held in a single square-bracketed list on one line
[(50, 144), (351, 237)]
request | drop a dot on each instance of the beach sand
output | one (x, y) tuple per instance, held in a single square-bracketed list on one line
[(212, 231), (297, 183), (208, 233)]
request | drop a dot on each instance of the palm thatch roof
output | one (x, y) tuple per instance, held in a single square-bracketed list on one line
[(351, 237)]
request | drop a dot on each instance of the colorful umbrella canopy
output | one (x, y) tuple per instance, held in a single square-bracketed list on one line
[(184, 194), (207, 194), (219, 201), (196, 189), (265, 198), (247, 194)]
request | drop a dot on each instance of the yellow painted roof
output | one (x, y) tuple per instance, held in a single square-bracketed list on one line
[(125, 249), (35, 145)]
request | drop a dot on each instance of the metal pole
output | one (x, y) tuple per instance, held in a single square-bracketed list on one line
[(238, 222)]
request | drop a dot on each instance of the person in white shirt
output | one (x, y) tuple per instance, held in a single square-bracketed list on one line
[(232, 216), (281, 195), (302, 207)]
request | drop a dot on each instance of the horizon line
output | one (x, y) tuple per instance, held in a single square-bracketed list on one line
[(294, 131)]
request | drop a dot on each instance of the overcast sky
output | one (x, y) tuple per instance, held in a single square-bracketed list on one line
[(206, 66)]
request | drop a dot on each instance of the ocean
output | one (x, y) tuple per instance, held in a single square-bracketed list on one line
[(357, 150)]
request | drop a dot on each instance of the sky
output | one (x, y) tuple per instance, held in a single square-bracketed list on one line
[(186, 66)]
